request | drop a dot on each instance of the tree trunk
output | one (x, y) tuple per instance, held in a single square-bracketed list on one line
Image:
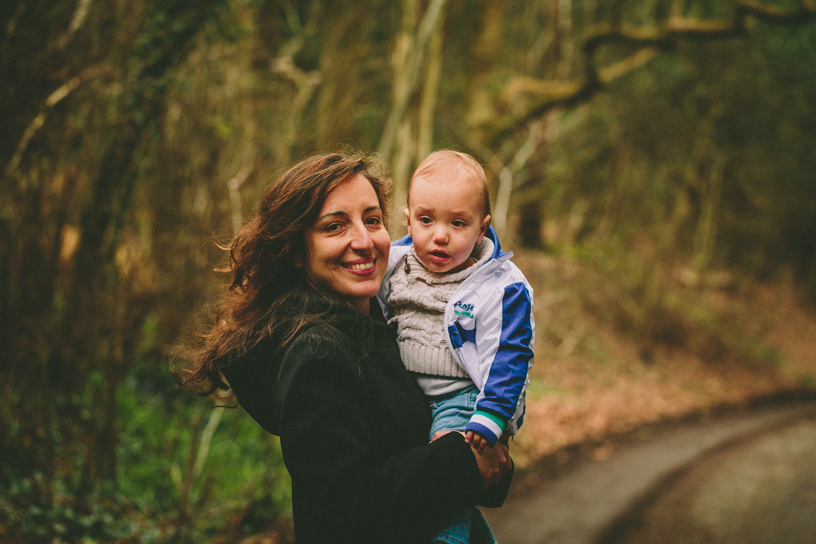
[(430, 94)]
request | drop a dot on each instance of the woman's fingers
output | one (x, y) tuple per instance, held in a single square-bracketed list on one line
[(493, 463)]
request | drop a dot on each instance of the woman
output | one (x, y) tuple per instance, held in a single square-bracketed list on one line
[(307, 354)]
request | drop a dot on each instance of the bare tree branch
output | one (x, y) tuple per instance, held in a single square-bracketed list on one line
[(39, 120), (506, 182), (802, 14), (619, 69), (80, 14), (234, 186), (649, 41), (11, 26)]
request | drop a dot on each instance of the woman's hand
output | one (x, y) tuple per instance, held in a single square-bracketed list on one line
[(493, 463)]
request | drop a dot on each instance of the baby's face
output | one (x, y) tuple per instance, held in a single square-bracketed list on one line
[(445, 220)]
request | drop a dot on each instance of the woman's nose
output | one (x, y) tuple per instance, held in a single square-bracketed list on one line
[(361, 240)]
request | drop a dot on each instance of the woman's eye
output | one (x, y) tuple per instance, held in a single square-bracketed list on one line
[(332, 227), (373, 221)]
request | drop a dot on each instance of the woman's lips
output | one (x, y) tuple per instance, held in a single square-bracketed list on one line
[(361, 268)]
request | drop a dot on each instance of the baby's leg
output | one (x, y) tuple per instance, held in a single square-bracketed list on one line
[(480, 532), (457, 528), (467, 526), (452, 413)]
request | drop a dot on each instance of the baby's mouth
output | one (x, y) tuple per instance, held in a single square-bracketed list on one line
[(440, 254)]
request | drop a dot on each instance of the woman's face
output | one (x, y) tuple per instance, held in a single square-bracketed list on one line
[(347, 247)]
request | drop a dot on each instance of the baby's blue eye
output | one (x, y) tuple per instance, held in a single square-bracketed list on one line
[(425, 220), (459, 223)]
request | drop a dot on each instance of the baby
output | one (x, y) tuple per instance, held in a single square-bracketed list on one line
[(464, 312)]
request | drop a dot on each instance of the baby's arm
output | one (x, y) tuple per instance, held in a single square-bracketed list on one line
[(506, 377)]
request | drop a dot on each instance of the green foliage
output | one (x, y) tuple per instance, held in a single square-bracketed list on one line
[(26, 517), (242, 485), (808, 382), (161, 441)]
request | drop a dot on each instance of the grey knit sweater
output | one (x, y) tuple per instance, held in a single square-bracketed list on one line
[(418, 299)]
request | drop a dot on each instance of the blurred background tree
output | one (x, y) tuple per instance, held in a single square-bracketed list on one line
[(643, 137)]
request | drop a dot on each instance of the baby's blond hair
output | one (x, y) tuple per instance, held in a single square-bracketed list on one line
[(447, 158)]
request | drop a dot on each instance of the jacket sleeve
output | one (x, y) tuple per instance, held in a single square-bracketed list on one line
[(510, 326), (339, 487)]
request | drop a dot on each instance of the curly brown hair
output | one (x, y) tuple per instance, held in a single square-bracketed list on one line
[(262, 260)]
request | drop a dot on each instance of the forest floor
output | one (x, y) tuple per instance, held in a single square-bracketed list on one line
[(736, 343)]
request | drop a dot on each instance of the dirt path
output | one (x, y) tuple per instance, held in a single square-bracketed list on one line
[(584, 503), (757, 491)]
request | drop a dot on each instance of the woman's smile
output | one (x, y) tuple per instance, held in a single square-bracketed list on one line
[(362, 267)]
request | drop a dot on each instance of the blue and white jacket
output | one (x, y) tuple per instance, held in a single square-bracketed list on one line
[(491, 333)]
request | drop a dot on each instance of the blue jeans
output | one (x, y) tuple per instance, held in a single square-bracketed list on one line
[(453, 412)]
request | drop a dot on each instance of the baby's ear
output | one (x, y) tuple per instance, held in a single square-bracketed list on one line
[(483, 228), (408, 219)]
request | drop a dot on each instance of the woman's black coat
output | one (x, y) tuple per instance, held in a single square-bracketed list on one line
[(354, 434)]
